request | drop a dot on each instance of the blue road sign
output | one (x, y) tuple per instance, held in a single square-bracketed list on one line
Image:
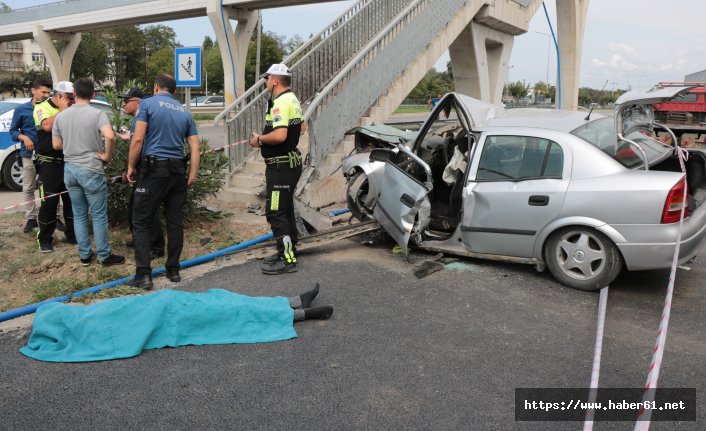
[(187, 66)]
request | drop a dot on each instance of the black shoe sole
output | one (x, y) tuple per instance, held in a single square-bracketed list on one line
[(279, 271), (174, 278)]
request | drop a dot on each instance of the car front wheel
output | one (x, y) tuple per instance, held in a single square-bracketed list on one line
[(582, 258), (12, 172), (360, 202)]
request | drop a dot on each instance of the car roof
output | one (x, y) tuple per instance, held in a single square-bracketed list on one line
[(564, 121)]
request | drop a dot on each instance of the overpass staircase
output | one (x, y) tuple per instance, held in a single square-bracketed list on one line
[(355, 72)]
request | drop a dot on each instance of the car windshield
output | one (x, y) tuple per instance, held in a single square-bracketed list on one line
[(601, 134), (200, 99), (7, 106)]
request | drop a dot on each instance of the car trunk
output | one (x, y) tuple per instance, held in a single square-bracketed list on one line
[(695, 175)]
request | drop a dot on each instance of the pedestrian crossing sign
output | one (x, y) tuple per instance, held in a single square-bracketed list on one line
[(187, 66)]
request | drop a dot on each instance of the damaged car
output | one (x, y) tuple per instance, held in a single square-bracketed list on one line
[(584, 195)]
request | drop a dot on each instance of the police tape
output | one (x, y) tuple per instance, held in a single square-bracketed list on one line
[(115, 179), (596, 370), (645, 415)]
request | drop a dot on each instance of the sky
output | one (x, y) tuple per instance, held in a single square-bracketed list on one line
[(627, 43)]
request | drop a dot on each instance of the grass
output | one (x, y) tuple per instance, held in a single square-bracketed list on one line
[(202, 117), (11, 268), (59, 286), (411, 109), (113, 292)]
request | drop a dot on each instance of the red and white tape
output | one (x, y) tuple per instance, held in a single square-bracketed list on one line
[(35, 200), (598, 349), (644, 416)]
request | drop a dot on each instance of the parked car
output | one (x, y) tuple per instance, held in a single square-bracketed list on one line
[(208, 101), (10, 170), (556, 189)]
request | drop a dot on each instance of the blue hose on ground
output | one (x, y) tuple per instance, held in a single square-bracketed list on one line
[(28, 309)]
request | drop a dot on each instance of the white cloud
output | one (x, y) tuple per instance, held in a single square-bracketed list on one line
[(622, 47), (598, 62)]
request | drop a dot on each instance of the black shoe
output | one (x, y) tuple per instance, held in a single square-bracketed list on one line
[(322, 313), (279, 267), (30, 226), (71, 240), (272, 258), (111, 260), (157, 253), (142, 282), (60, 226), (173, 275), (87, 260), (46, 248)]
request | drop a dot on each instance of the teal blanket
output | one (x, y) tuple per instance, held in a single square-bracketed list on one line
[(124, 327)]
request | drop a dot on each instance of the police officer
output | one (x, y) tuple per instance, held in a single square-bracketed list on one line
[(131, 103), (50, 167), (278, 145), (157, 144)]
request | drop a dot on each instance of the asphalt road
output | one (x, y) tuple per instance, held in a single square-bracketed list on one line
[(443, 352)]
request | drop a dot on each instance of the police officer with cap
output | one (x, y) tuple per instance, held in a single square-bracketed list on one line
[(278, 146), (161, 127)]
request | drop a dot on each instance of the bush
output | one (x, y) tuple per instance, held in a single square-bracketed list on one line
[(209, 180)]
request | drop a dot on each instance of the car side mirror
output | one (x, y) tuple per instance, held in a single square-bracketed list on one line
[(381, 155)]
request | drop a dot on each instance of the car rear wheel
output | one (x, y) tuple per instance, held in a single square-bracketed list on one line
[(360, 203), (12, 172), (582, 258)]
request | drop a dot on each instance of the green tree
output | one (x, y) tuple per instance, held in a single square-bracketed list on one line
[(4, 7), (159, 37), (272, 51), (214, 68), (207, 43), (127, 57), (91, 58), (518, 89), (161, 61), (433, 83)]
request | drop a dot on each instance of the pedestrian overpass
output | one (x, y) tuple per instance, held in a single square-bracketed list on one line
[(355, 71)]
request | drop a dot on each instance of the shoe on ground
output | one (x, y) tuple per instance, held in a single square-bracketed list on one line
[(173, 275), (60, 226), (71, 240), (142, 282), (46, 248), (86, 261), (279, 267), (111, 260), (157, 253), (272, 258), (30, 226)]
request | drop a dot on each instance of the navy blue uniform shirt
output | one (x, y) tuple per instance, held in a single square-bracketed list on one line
[(168, 123)]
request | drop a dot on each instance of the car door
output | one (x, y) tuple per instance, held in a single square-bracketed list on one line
[(516, 186), (402, 206)]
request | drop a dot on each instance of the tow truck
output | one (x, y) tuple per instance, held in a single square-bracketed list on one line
[(685, 115)]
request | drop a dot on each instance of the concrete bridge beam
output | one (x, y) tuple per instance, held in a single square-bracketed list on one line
[(571, 23), (59, 63), (479, 57), (233, 44)]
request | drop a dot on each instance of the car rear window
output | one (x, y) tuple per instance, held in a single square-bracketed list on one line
[(601, 134)]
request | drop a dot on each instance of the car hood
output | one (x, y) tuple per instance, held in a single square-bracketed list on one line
[(633, 110), (385, 133), (479, 112)]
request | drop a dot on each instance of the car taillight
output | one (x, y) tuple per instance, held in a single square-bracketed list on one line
[(674, 204)]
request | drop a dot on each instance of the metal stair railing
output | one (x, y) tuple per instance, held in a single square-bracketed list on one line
[(312, 64), (372, 71)]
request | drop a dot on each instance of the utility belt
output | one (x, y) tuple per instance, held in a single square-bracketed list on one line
[(162, 168), (294, 158), (39, 159)]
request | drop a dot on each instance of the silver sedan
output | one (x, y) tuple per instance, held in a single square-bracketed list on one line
[(580, 193)]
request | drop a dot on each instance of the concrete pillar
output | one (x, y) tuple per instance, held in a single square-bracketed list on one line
[(479, 57), (232, 43), (571, 19), (59, 64)]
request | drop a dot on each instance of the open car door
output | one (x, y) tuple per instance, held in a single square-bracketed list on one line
[(402, 206)]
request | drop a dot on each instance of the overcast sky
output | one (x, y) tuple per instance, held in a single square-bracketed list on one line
[(632, 43)]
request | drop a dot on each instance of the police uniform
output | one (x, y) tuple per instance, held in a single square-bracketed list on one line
[(161, 178), (282, 172), (50, 168)]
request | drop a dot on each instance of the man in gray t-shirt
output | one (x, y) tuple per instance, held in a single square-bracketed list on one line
[(77, 131)]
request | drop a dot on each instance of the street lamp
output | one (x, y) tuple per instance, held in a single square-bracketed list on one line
[(205, 72), (549, 44)]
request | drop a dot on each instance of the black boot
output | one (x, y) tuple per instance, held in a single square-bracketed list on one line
[(142, 282)]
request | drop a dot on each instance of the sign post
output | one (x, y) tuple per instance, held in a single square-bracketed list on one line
[(187, 70)]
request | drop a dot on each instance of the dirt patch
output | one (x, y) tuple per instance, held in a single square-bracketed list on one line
[(28, 276)]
